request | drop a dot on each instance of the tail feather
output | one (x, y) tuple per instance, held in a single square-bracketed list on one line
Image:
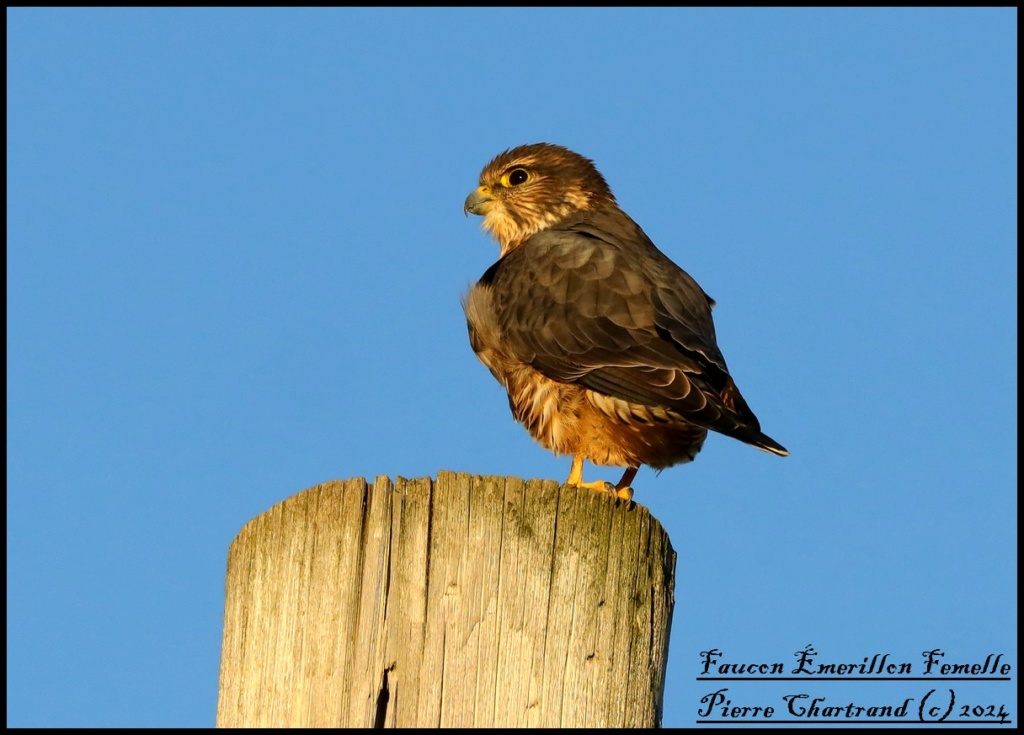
[(749, 430), (767, 444)]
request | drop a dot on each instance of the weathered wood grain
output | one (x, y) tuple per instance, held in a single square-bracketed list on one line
[(463, 602)]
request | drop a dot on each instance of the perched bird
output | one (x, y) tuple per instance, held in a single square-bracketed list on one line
[(605, 346)]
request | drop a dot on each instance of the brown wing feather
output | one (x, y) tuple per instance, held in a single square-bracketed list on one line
[(594, 302)]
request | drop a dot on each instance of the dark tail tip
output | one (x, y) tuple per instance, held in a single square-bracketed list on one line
[(768, 444)]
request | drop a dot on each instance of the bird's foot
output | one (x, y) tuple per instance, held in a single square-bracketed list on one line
[(623, 493)]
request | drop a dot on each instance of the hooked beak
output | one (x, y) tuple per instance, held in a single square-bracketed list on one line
[(479, 202)]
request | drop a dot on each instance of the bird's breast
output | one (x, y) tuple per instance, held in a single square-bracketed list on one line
[(545, 407)]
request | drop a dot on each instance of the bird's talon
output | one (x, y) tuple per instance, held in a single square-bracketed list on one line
[(625, 493)]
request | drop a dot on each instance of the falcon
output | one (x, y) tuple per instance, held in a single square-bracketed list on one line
[(606, 347)]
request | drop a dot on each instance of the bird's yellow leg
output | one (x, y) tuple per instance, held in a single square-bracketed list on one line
[(576, 473), (576, 479)]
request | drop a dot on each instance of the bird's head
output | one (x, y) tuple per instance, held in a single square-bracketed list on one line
[(530, 188)]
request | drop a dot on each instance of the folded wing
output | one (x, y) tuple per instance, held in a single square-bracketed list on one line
[(595, 303)]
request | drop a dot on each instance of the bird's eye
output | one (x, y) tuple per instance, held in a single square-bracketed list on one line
[(515, 177)]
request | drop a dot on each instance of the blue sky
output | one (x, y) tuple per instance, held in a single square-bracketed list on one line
[(235, 254)]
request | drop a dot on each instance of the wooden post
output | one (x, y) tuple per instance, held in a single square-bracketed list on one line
[(465, 602)]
